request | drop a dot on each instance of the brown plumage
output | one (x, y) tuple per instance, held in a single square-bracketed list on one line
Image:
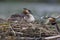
[(52, 19), (25, 11)]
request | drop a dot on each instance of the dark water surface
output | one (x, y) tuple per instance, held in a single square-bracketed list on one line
[(38, 9)]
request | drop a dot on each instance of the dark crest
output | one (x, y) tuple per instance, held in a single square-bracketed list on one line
[(27, 9)]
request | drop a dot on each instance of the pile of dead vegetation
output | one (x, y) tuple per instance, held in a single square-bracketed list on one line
[(27, 29), (33, 29)]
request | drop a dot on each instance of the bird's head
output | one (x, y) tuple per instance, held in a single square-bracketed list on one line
[(52, 19), (26, 11)]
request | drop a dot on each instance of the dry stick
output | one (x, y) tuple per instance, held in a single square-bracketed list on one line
[(58, 30), (52, 37), (15, 33), (12, 30)]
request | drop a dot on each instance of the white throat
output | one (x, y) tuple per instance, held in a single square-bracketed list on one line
[(30, 18)]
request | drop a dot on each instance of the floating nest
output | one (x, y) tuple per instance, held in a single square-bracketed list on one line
[(33, 29), (28, 29)]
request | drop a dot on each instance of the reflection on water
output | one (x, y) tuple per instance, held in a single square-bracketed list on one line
[(38, 9), (52, 1)]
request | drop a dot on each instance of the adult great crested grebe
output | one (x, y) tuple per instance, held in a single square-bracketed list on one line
[(28, 16), (52, 21)]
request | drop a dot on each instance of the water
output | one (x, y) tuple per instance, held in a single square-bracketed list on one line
[(38, 9)]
